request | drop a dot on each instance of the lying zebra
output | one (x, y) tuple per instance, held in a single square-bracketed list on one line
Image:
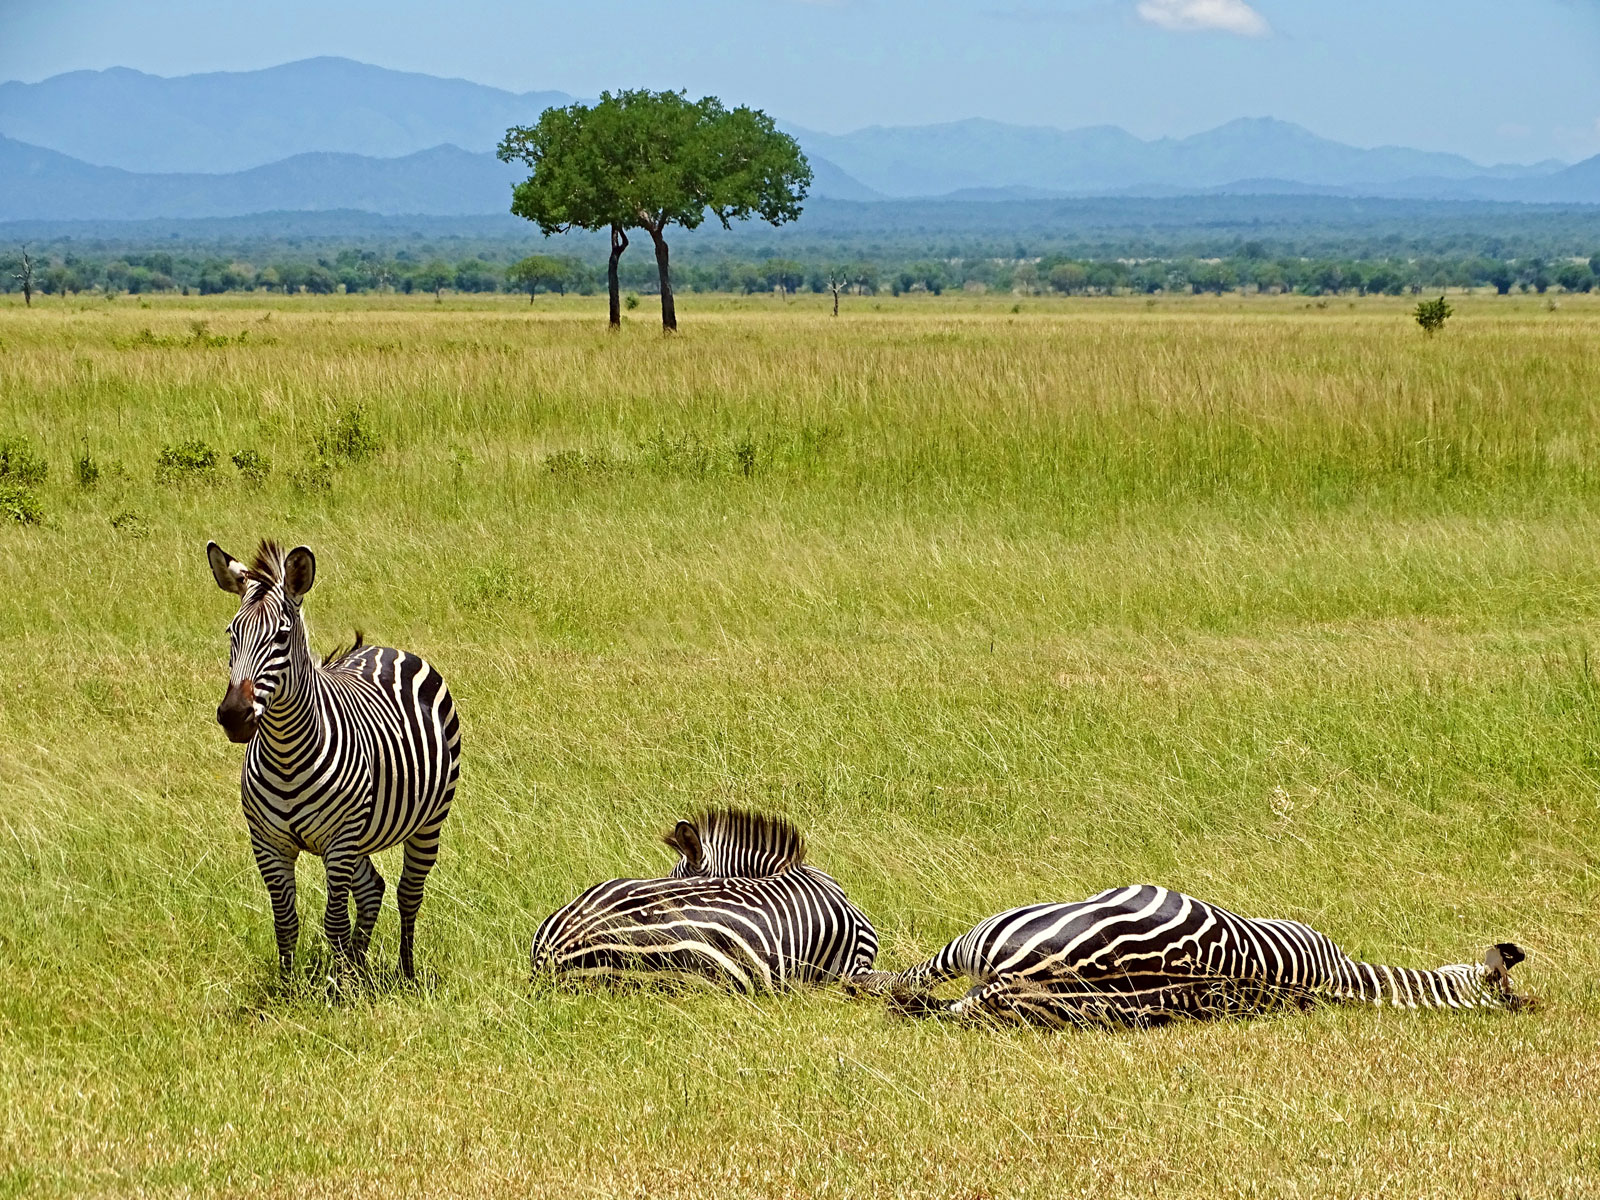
[(741, 906), (1143, 955)]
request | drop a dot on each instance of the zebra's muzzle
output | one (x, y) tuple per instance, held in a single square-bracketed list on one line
[(237, 712)]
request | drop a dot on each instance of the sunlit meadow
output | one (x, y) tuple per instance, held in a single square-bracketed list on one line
[(1279, 603)]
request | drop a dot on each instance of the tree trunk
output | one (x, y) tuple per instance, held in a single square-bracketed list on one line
[(835, 287), (619, 243), (669, 312)]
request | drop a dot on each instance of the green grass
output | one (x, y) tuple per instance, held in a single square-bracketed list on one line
[(1287, 607)]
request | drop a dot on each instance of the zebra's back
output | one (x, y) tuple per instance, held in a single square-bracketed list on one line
[(1146, 953), (755, 934)]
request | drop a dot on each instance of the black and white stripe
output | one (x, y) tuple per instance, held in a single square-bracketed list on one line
[(345, 758), (741, 907), (1145, 954)]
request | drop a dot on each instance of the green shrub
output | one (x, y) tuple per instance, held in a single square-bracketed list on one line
[(502, 583), (131, 525), (87, 470), (347, 438), (18, 503), (252, 464), (1432, 314), (578, 462), (21, 464), (187, 462), (316, 476)]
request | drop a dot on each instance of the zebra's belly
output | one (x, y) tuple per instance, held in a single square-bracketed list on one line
[(363, 817), (310, 826)]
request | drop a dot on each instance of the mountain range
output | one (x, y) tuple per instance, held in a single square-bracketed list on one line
[(329, 133)]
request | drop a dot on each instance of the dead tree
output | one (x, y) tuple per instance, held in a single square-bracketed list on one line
[(26, 277), (836, 284)]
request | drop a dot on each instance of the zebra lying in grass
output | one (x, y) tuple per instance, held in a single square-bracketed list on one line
[(343, 758), (1143, 955), (740, 906)]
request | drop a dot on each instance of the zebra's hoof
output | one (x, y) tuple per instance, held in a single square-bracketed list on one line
[(868, 983), (918, 1004)]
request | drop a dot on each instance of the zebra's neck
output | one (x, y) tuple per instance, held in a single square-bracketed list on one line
[(294, 726)]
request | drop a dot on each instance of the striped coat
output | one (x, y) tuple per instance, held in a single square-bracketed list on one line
[(741, 907), (1145, 954), (343, 758)]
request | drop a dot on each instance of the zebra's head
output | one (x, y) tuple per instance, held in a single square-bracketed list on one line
[(729, 842), (259, 636)]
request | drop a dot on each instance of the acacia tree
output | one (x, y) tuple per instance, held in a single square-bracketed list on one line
[(540, 270), (647, 160)]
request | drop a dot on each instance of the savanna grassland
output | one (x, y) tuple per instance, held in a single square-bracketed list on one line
[(1285, 606)]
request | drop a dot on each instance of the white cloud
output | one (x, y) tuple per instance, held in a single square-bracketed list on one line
[(1188, 16)]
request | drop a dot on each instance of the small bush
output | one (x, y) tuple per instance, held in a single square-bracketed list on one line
[(252, 464), (578, 462), (187, 462), (86, 469), (347, 438), (21, 464), (499, 584), (630, 302), (312, 478), (1432, 314), (19, 504), (130, 525)]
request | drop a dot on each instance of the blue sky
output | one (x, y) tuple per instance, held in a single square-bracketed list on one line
[(1498, 80)]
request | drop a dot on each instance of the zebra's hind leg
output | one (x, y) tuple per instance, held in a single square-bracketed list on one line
[(421, 851), (1058, 1002), (277, 872), (367, 886)]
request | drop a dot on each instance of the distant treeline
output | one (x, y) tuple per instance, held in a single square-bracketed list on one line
[(1254, 267)]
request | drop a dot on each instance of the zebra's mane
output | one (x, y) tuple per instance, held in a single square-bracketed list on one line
[(339, 653), (735, 835), (268, 565)]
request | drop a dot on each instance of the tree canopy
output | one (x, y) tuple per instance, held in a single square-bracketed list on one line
[(647, 160)]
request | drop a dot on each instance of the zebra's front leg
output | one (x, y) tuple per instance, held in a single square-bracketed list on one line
[(277, 872), (367, 886), (421, 851), (340, 864)]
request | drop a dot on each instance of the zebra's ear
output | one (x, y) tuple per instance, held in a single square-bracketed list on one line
[(225, 569), (685, 839), (299, 572)]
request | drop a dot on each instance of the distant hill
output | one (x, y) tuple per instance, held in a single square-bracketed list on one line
[(445, 180), (43, 185), (233, 120), (230, 121), (970, 156), (329, 133)]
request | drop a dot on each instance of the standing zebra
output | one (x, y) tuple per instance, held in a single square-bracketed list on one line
[(345, 758), (1143, 954), (740, 906)]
